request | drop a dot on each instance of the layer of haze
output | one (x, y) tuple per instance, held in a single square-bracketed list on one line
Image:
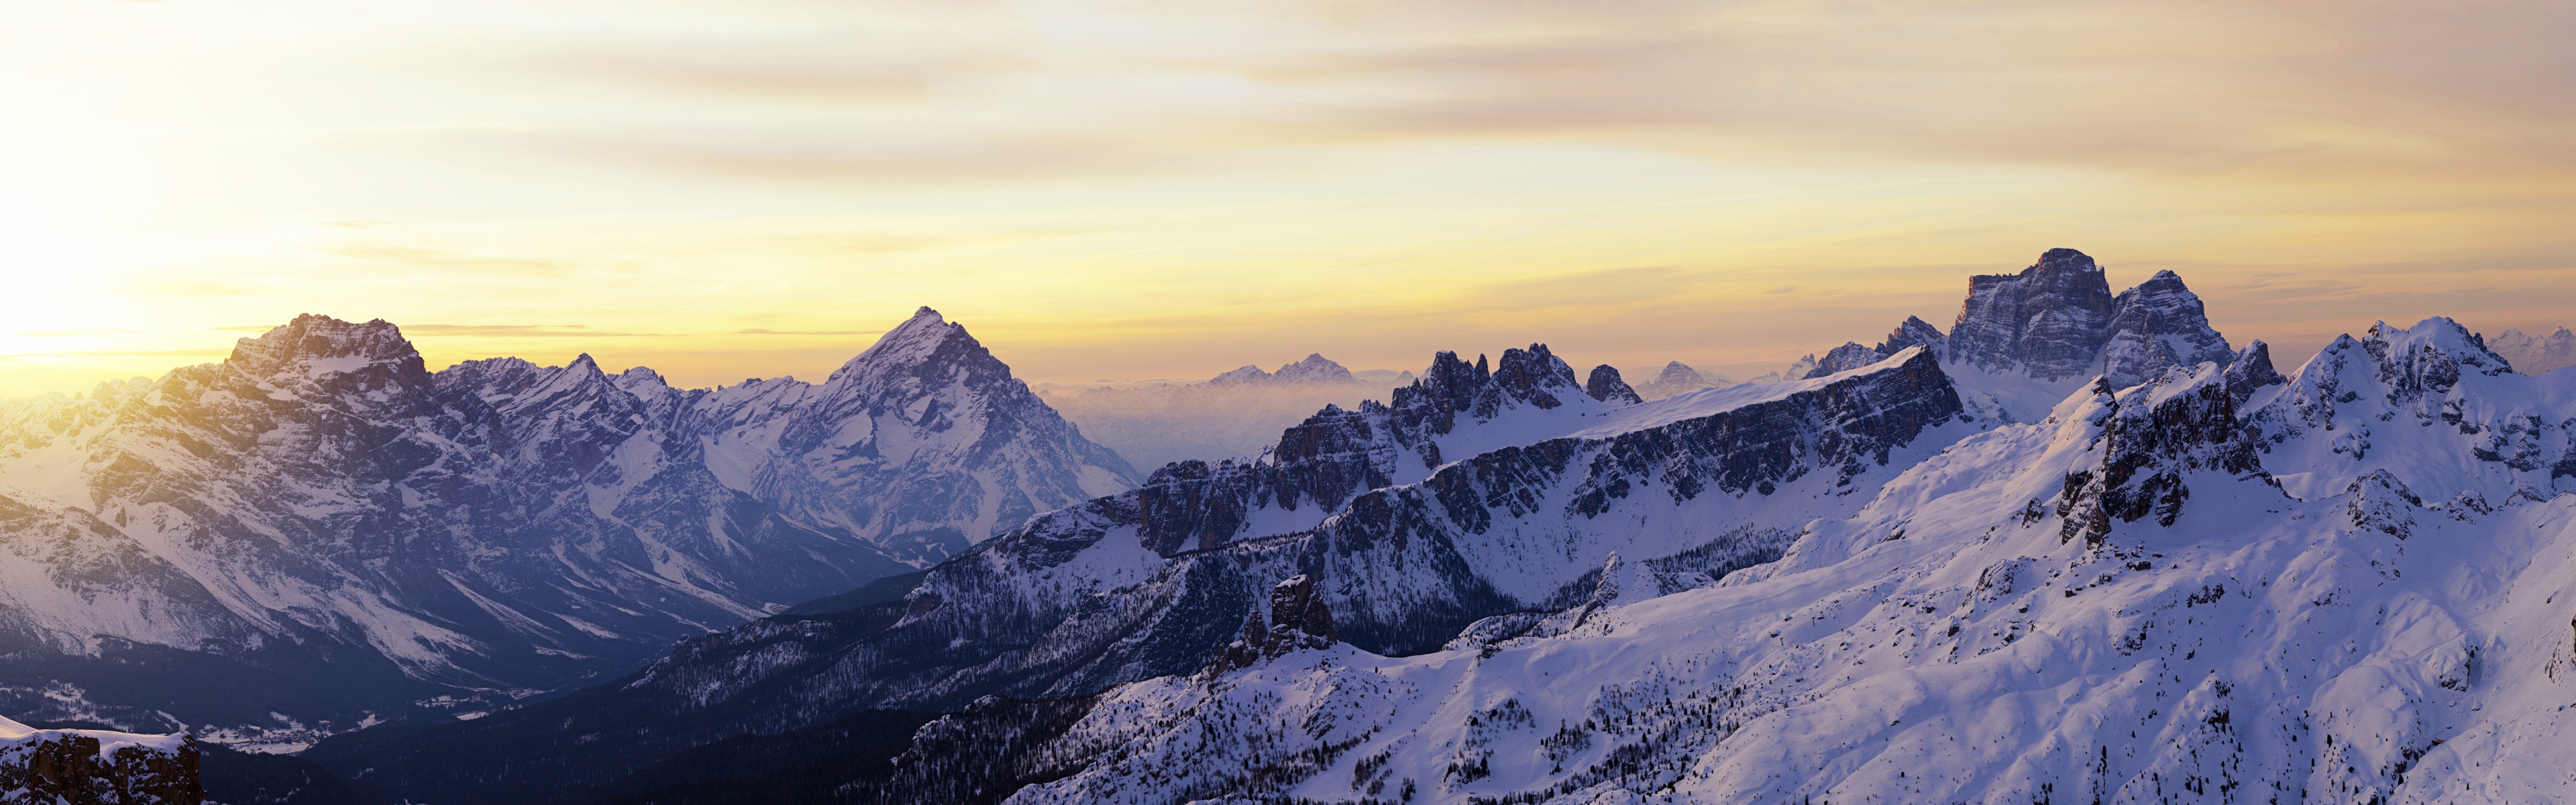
[(1145, 189)]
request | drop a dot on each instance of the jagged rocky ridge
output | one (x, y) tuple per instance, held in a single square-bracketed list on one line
[(2023, 341), (1156, 581), (320, 527)]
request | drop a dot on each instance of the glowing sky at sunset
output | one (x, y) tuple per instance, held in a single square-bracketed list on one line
[(1104, 189)]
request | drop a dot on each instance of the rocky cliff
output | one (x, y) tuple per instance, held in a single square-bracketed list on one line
[(94, 767)]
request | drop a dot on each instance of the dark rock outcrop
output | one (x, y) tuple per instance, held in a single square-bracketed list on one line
[(1849, 356), (1605, 385), (1914, 332), (78, 767), (2152, 436), (2050, 320), (2251, 370), (1298, 619)]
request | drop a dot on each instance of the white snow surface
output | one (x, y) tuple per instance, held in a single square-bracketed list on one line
[(14, 735), (2380, 625)]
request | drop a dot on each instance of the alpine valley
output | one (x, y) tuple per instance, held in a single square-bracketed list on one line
[(2077, 547)]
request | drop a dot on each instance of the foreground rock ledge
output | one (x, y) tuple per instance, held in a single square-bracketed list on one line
[(96, 767)]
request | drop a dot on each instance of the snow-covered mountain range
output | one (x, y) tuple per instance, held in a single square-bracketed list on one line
[(1608, 551), (2079, 547), (319, 528), (2217, 586), (2534, 355)]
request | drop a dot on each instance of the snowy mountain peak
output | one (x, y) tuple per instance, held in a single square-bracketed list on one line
[(2156, 326), (1448, 385), (1914, 332), (1533, 376), (2535, 355), (1675, 378), (914, 342), (2432, 354), (313, 345), (1851, 355), (2251, 370), (1606, 386), (2050, 320), (1314, 368)]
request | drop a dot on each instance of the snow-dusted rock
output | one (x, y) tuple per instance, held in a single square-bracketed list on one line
[(2156, 326), (96, 767), (2050, 321), (1604, 385)]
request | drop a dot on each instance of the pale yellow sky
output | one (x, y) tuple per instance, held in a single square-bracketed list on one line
[(1103, 189)]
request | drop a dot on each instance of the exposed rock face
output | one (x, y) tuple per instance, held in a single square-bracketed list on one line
[(1914, 332), (2251, 371), (2149, 439), (1677, 377), (2056, 321), (1849, 356), (1298, 619), (347, 531), (2050, 320), (1605, 385), (2156, 326), (2533, 355), (92, 767)]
